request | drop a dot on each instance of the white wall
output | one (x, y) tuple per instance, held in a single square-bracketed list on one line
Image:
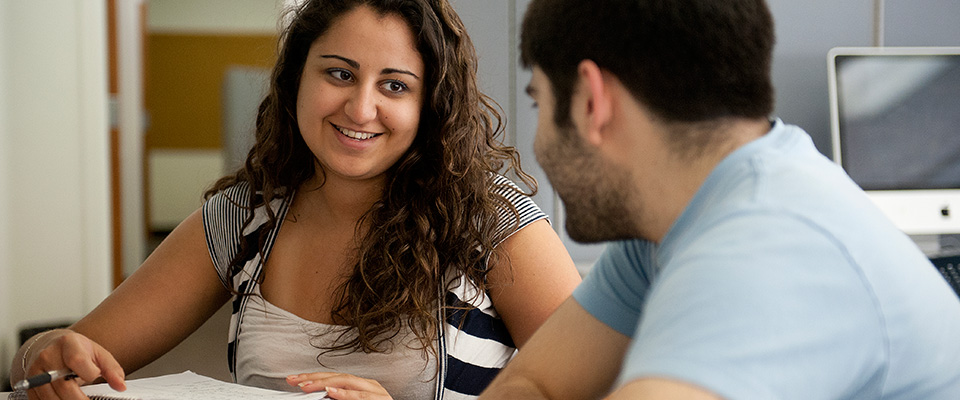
[(178, 178), (5, 286), (129, 121), (231, 16), (54, 192)]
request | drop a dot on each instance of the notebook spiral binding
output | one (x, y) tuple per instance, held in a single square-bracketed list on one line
[(22, 395)]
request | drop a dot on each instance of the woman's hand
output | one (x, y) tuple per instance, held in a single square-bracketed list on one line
[(66, 349), (340, 386)]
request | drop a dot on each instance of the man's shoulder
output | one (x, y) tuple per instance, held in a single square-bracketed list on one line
[(630, 251)]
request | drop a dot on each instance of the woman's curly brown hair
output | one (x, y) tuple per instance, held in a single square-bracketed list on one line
[(438, 214)]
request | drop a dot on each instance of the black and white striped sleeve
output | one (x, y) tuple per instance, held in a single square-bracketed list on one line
[(526, 210), (223, 216)]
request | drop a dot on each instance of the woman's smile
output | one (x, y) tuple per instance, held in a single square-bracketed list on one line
[(355, 135)]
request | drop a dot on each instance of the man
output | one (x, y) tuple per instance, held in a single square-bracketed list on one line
[(747, 265)]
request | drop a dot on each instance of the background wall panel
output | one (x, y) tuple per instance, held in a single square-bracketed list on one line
[(185, 76)]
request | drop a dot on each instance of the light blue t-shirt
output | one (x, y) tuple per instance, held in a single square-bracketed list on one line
[(781, 280)]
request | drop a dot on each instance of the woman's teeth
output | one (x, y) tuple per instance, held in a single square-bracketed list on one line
[(356, 135)]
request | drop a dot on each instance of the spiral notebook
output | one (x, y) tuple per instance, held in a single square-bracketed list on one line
[(184, 386)]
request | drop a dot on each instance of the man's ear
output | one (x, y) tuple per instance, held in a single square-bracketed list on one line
[(595, 104)]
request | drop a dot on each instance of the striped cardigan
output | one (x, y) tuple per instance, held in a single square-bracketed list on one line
[(473, 342)]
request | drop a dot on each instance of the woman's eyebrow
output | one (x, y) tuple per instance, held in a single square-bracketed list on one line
[(398, 71), (349, 62), (354, 64)]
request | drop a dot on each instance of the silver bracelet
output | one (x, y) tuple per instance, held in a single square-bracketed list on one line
[(23, 361)]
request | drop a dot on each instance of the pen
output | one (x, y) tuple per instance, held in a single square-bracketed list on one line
[(44, 378)]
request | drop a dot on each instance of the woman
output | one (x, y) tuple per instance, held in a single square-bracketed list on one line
[(369, 244)]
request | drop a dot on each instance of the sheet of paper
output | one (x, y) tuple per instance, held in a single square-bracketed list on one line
[(189, 386)]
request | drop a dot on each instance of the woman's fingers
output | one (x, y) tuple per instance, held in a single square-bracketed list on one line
[(53, 358), (339, 386), (88, 360), (110, 369), (76, 353), (346, 394), (67, 389)]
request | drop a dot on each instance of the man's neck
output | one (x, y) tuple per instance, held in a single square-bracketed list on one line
[(675, 181)]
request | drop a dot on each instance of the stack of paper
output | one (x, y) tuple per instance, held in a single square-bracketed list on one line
[(184, 386)]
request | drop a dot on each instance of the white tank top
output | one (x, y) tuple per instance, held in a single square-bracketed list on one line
[(277, 343)]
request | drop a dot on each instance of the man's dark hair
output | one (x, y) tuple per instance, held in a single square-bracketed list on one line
[(685, 60)]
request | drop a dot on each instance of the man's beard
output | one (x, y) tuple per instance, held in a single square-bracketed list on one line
[(594, 193)]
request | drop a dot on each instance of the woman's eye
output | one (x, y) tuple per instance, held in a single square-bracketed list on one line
[(395, 87), (341, 74)]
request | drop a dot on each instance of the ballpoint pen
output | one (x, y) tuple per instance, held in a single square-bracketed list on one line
[(44, 378)]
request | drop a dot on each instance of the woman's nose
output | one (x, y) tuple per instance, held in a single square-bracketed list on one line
[(361, 107)]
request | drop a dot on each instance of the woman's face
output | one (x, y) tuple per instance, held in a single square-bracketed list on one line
[(360, 96)]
